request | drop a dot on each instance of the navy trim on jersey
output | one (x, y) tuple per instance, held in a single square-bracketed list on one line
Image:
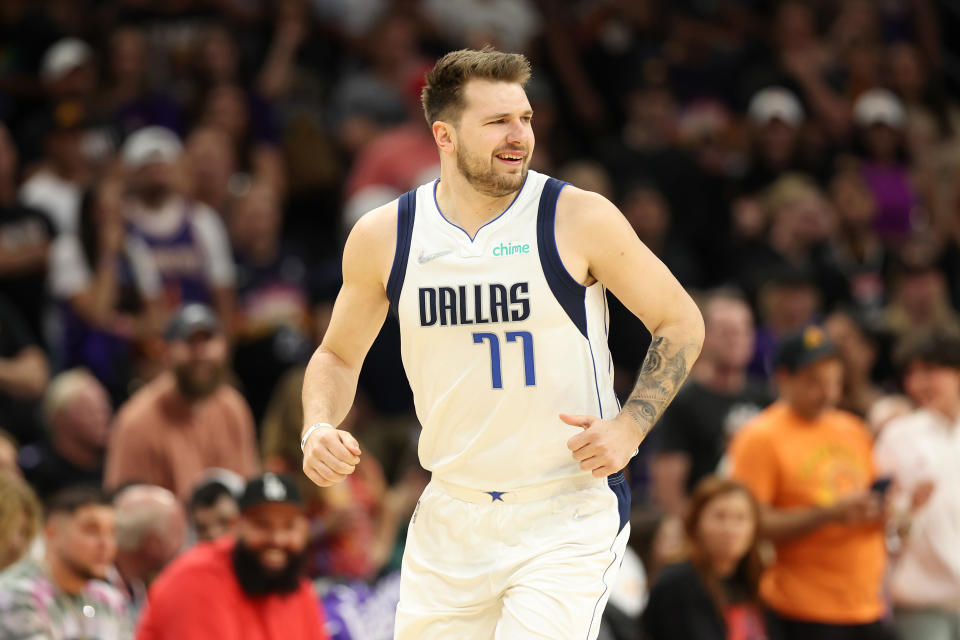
[(618, 484), (406, 210), (596, 379), (569, 293)]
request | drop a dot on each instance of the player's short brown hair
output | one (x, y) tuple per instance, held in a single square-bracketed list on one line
[(442, 96)]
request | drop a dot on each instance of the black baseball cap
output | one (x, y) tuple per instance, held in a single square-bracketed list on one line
[(276, 488), (190, 319), (803, 348)]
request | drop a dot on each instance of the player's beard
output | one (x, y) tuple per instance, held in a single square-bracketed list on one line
[(482, 176), (255, 580)]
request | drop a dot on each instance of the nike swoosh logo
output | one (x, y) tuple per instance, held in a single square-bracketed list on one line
[(583, 516), (432, 256)]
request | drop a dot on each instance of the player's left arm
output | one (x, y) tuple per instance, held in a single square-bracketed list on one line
[(597, 243)]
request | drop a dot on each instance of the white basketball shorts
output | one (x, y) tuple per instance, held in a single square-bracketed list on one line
[(535, 564)]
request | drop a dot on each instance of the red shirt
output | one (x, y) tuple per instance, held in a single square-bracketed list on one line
[(198, 597)]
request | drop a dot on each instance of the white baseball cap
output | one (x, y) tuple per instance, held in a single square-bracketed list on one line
[(879, 106), (64, 56), (150, 144), (775, 103)]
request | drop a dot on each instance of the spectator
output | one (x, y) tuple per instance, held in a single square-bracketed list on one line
[(801, 224), (25, 237), (77, 413), (56, 184), (810, 467), (24, 372), (67, 70), (775, 120), (921, 452), (880, 119), (64, 595), (109, 290), (787, 301), (187, 239), (715, 594), (249, 587), (712, 406), (20, 516), (68, 78), (858, 350), (151, 531), (213, 510), (187, 419), (274, 307)]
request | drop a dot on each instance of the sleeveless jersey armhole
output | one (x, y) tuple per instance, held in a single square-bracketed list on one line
[(406, 210), (568, 292)]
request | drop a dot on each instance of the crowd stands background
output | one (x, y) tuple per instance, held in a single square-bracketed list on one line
[(793, 163)]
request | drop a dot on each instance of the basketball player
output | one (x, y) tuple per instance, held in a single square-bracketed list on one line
[(498, 275)]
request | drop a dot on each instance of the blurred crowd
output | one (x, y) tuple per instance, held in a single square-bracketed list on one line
[(176, 182)]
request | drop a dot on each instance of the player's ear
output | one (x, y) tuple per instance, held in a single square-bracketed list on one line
[(445, 136)]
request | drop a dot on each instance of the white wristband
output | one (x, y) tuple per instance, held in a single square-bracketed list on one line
[(314, 427)]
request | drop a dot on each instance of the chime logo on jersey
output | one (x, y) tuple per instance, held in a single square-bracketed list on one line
[(510, 249), (474, 304)]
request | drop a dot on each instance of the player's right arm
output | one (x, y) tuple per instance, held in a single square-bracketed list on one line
[(330, 381)]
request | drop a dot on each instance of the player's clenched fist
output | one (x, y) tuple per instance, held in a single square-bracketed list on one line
[(329, 456), (603, 447)]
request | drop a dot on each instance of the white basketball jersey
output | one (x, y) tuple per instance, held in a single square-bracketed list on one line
[(497, 340)]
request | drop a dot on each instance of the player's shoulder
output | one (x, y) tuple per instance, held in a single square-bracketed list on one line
[(376, 228), (580, 203), (585, 215), (371, 244)]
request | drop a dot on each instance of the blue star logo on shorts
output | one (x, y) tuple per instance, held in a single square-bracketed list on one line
[(496, 495)]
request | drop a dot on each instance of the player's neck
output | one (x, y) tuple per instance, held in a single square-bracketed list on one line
[(464, 206)]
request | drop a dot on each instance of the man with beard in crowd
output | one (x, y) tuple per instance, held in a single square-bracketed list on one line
[(64, 595), (187, 419), (186, 238), (247, 587)]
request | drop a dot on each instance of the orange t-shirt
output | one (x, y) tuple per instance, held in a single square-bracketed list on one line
[(833, 575)]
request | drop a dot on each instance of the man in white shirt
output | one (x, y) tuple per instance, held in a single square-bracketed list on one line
[(921, 451)]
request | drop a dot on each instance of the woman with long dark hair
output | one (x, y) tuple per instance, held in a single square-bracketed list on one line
[(108, 289), (713, 595)]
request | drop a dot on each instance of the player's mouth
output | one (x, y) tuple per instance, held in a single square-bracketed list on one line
[(512, 158)]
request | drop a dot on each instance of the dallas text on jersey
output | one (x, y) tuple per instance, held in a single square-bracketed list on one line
[(488, 303)]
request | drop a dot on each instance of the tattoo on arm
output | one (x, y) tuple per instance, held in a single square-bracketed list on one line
[(664, 370)]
